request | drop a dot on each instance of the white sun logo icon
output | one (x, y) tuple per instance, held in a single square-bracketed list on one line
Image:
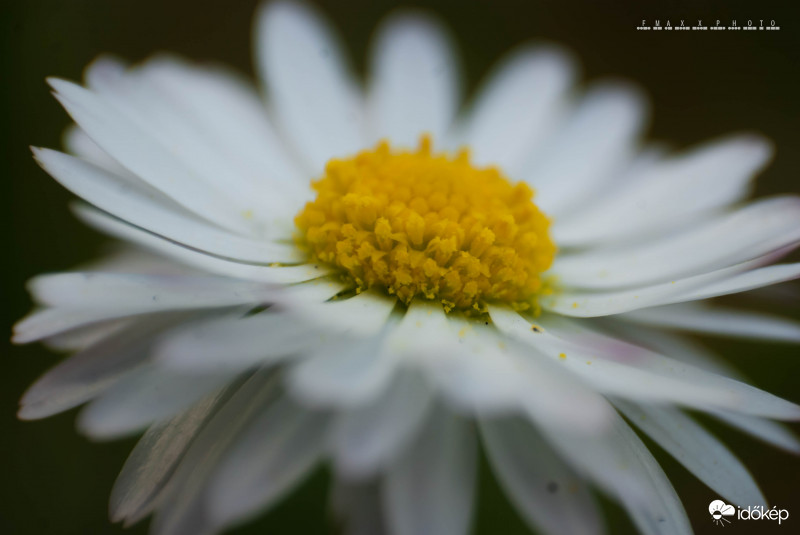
[(719, 510)]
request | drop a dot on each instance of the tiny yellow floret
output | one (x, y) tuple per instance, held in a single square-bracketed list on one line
[(428, 225)]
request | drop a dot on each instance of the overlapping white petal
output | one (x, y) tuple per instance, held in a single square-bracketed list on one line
[(414, 86), (234, 342), (678, 191), (317, 103), (126, 141), (692, 317), (516, 107), (136, 206), (281, 443), (619, 463), (621, 369), (547, 492), (80, 299), (228, 110), (430, 489), (738, 278), (143, 397), (90, 372), (698, 450), (269, 274), (369, 437), (594, 144), (766, 430), (183, 503), (756, 230), (154, 459)]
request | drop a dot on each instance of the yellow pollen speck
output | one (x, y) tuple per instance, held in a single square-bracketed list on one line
[(562, 356), (589, 362), (575, 305), (428, 225)]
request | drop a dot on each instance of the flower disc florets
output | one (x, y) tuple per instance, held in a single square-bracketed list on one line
[(432, 225)]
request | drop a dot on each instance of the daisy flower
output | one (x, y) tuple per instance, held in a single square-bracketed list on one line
[(378, 279)]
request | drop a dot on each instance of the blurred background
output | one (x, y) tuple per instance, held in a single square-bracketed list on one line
[(702, 85)]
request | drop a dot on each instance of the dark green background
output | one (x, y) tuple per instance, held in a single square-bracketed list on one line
[(702, 85)]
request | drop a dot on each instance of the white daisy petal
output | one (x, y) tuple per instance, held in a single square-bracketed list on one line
[(143, 293), (228, 109), (280, 445), (43, 324), (347, 373), (368, 437), (198, 259), (718, 321), (609, 377), (77, 142), (748, 233), (316, 102), (90, 372), (83, 337), (569, 231), (130, 259), (144, 98), (153, 460), (183, 504), (363, 314), (728, 393), (516, 107), (116, 196), (681, 189), (742, 282), (547, 492), (86, 298), (738, 278), (234, 342), (592, 146), (681, 348), (766, 430), (415, 81), (127, 143), (430, 489), (618, 462), (482, 373), (143, 397), (617, 368), (472, 372), (485, 374), (698, 450)]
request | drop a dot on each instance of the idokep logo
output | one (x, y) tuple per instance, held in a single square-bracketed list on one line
[(719, 510), (721, 513)]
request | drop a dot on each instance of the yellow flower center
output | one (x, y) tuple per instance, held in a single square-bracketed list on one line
[(431, 225)]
